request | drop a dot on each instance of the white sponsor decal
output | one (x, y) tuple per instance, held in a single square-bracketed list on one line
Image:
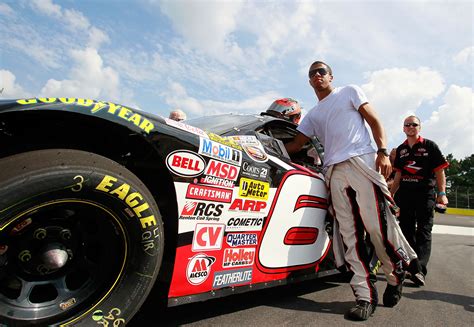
[(241, 239), (244, 224), (198, 268), (186, 127), (239, 257), (220, 151), (185, 163), (208, 237), (232, 277)]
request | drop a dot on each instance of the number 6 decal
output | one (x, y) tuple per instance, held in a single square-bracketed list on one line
[(294, 235)]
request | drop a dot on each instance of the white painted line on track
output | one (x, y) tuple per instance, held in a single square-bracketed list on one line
[(453, 230)]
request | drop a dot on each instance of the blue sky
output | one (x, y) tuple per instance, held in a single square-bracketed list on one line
[(208, 57)]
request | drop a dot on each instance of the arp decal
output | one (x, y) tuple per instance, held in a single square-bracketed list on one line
[(250, 188), (241, 239), (247, 205), (220, 151), (198, 268), (133, 199), (96, 106), (254, 171), (208, 237), (244, 224), (201, 211), (185, 163), (220, 173), (186, 127), (231, 277), (238, 257), (208, 193)]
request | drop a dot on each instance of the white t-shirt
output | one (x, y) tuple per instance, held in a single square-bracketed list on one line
[(336, 121)]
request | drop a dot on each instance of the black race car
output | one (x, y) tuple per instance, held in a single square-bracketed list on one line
[(101, 204)]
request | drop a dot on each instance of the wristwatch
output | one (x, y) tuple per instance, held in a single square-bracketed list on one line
[(383, 151)]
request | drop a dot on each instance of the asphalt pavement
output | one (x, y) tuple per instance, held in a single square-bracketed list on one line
[(446, 300)]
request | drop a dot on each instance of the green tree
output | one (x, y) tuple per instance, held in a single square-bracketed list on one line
[(460, 181)]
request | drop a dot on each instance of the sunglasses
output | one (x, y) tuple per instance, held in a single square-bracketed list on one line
[(321, 71), (411, 124)]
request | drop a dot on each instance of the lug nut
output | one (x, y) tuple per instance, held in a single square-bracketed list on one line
[(65, 234), (24, 256), (40, 233)]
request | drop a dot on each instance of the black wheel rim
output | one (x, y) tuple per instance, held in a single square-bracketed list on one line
[(59, 260)]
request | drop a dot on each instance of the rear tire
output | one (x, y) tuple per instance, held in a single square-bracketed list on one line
[(81, 239)]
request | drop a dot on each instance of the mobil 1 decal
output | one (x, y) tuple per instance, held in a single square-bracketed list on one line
[(252, 147), (220, 151), (255, 171), (185, 163), (220, 173)]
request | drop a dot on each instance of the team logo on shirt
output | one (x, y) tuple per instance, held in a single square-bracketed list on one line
[(411, 168)]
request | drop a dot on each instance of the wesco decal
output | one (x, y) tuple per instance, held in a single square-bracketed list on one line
[(250, 188), (134, 200), (241, 239), (247, 205), (232, 277), (208, 237), (220, 151), (208, 193), (185, 163), (112, 108), (240, 257), (198, 268)]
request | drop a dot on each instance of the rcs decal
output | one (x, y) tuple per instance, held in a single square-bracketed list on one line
[(295, 226)]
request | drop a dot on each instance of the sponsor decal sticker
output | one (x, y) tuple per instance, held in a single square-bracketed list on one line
[(254, 171), (241, 239), (185, 127), (208, 237), (185, 163), (198, 268), (240, 257), (250, 188), (208, 193), (232, 277), (247, 205), (224, 140), (220, 151), (244, 223), (201, 211), (252, 147), (220, 173)]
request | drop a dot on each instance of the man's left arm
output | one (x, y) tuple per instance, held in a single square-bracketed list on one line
[(441, 185), (382, 162)]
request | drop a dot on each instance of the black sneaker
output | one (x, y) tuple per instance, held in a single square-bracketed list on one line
[(392, 295), (418, 279), (362, 310)]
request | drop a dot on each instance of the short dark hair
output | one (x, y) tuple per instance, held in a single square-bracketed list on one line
[(322, 63)]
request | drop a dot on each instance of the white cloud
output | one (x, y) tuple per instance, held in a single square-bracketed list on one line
[(5, 9), (88, 78), (177, 97), (397, 92), (47, 7), (464, 56), (76, 20), (451, 125), (9, 88)]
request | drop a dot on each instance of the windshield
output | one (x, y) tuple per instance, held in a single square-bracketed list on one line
[(220, 124)]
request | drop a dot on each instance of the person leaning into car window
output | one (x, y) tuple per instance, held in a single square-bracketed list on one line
[(286, 108), (177, 115), (355, 185), (419, 166)]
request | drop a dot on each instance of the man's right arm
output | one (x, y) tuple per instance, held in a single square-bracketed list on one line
[(297, 143)]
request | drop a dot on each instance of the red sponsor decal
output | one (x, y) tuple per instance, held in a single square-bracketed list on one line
[(185, 163), (208, 193), (238, 257), (202, 209), (222, 170), (198, 268), (208, 237), (248, 205)]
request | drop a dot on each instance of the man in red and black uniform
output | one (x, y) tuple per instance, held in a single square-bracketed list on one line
[(419, 167)]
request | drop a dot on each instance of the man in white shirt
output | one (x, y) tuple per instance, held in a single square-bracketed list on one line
[(338, 120)]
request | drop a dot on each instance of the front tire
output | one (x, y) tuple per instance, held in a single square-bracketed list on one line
[(81, 239)]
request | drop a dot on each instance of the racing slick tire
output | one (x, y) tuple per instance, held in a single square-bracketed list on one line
[(81, 240)]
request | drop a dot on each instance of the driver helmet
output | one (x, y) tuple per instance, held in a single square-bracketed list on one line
[(286, 108)]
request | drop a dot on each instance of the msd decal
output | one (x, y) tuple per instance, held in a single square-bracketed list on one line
[(208, 237), (185, 163), (208, 193), (220, 151), (198, 268), (247, 205), (241, 239), (240, 257), (220, 174)]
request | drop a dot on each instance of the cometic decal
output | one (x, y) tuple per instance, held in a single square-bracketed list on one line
[(185, 163), (96, 106)]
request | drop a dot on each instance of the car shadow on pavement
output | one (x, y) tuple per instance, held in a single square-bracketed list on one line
[(286, 296), (465, 301)]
